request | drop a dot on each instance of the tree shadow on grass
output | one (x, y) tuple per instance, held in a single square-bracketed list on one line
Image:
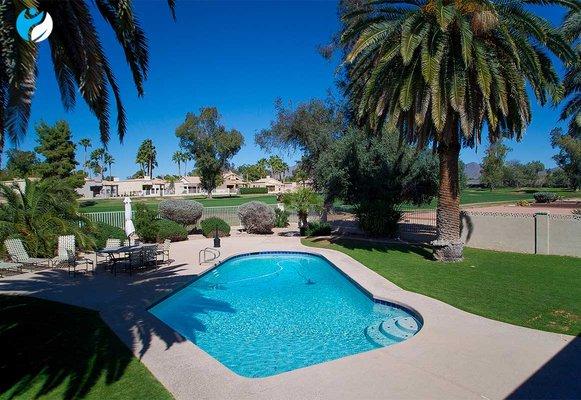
[(376, 245), (63, 348)]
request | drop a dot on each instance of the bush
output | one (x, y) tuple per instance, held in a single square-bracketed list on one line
[(209, 226), (254, 190), (523, 203), (318, 229), (146, 223), (184, 212), (101, 232), (256, 217), (378, 219), (173, 231), (281, 218), (545, 197)]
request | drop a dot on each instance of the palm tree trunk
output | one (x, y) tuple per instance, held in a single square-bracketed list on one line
[(448, 246)]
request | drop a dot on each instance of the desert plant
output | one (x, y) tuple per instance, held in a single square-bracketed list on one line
[(173, 231), (254, 190), (303, 200), (523, 203), (256, 217), (210, 225), (281, 218), (146, 223), (318, 228), (545, 197), (184, 212)]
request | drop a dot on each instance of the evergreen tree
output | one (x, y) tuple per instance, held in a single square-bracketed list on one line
[(493, 165)]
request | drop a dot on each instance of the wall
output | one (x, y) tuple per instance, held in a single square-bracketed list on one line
[(539, 233)]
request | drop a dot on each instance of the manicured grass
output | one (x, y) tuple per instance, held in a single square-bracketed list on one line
[(117, 204), (536, 291), (56, 351)]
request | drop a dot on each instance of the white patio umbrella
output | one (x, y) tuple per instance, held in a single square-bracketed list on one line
[(129, 227)]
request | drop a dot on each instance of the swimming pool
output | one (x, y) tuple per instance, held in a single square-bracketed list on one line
[(267, 313)]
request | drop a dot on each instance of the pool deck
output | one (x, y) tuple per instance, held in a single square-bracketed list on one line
[(456, 355)]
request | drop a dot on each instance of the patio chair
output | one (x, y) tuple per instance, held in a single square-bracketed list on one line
[(108, 244), (112, 243), (135, 260), (67, 255), (164, 249), (150, 255), (18, 254), (8, 266)]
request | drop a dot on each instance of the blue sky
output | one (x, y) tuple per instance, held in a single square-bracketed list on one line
[(238, 56)]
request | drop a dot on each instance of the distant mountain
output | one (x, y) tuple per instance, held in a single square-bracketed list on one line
[(473, 170)]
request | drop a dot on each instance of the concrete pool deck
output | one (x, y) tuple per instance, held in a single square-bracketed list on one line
[(456, 355)]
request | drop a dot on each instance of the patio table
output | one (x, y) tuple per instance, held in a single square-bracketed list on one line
[(116, 254)]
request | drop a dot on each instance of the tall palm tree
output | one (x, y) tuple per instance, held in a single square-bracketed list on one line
[(85, 143), (177, 158), (79, 60), (277, 166), (147, 156), (436, 71), (109, 160)]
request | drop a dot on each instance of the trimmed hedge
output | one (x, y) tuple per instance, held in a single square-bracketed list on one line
[(185, 212), (257, 217), (545, 197), (254, 190), (102, 232), (318, 229), (173, 231), (209, 226)]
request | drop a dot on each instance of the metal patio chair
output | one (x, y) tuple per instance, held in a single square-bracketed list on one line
[(18, 254)]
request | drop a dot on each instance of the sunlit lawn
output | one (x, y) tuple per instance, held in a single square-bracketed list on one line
[(536, 291), (56, 351), (101, 205)]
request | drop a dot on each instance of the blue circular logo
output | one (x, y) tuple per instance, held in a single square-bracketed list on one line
[(33, 25)]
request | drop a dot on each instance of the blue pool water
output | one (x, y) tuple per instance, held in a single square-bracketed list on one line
[(263, 314)]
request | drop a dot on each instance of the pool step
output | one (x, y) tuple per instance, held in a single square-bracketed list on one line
[(385, 333)]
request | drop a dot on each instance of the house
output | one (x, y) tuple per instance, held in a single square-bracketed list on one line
[(146, 186), (271, 184), (192, 185)]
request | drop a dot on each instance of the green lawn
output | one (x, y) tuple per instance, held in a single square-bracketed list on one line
[(55, 351), (536, 291), (117, 204)]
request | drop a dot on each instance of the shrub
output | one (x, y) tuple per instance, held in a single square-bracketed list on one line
[(545, 197), (173, 231), (523, 203), (318, 229), (146, 223), (209, 226), (184, 212), (281, 218), (254, 190), (256, 217), (101, 232), (378, 219)]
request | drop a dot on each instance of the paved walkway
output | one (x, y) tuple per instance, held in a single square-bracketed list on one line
[(456, 355)]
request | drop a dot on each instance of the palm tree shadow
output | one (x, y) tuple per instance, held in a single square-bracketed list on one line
[(61, 344)]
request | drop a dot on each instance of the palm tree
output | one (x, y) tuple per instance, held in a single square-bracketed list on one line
[(85, 143), (38, 214), (147, 156), (178, 158), (302, 201), (79, 60), (277, 166), (96, 161), (572, 110), (436, 71), (109, 160)]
